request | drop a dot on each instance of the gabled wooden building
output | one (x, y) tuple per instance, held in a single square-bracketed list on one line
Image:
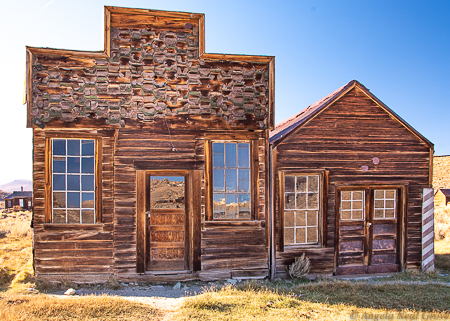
[(350, 181), (150, 158), (442, 197), (19, 200)]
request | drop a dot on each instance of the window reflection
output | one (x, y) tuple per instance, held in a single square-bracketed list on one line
[(167, 191), (231, 180), (73, 171)]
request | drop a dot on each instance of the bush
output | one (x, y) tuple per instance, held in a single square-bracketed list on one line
[(300, 267)]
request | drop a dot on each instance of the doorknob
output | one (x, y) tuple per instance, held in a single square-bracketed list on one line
[(368, 224), (147, 213)]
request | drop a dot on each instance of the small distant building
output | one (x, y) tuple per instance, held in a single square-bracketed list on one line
[(19, 200), (442, 197)]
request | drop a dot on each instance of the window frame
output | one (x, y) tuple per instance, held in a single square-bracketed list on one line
[(49, 174), (322, 202), (254, 176)]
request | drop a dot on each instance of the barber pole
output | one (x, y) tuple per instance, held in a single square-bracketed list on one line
[(428, 230)]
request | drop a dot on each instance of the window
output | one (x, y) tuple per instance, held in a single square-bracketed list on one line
[(385, 204), (302, 210), (231, 180), (352, 205), (21, 202), (73, 181)]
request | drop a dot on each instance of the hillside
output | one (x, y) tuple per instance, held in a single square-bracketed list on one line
[(3, 195), (16, 185), (441, 172)]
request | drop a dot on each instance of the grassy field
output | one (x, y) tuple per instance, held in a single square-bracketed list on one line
[(396, 297)]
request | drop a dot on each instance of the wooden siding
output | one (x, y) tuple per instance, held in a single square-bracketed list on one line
[(440, 199), (343, 138), (72, 248)]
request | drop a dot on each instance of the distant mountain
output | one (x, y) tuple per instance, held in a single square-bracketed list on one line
[(16, 185), (3, 195)]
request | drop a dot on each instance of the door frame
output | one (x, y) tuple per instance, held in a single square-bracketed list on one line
[(369, 188), (193, 216)]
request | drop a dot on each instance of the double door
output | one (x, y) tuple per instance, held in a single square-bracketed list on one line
[(369, 230)]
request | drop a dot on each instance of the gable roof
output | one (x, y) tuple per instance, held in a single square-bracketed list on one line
[(445, 191), (19, 194), (284, 128)]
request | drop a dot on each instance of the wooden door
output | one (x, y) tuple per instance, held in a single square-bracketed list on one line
[(167, 222), (367, 231)]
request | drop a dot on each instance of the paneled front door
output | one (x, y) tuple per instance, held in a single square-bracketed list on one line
[(167, 223), (368, 230)]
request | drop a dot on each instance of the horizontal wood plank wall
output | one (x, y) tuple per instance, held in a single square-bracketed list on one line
[(75, 249), (342, 139), (149, 148)]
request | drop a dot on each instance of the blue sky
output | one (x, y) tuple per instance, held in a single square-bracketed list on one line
[(400, 50)]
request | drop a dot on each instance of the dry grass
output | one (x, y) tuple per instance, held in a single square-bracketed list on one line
[(43, 307), (442, 252), (442, 223), (16, 266), (338, 300)]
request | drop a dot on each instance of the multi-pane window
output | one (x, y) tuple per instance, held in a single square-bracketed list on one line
[(352, 205), (385, 202), (301, 209), (73, 181), (231, 180)]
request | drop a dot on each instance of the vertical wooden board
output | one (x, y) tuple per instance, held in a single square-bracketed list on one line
[(255, 179), (98, 182), (196, 219), (281, 210), (208, 180), (140, 221), (48, 180), (325, 207)]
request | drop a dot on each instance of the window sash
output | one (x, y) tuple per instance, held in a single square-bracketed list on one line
[(302, 209), (73, 204), (231, 180)]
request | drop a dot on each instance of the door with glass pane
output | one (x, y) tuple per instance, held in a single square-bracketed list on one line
[(368, 229), (167, 223)]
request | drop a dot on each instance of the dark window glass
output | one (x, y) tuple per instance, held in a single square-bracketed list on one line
[(73, 182), (73, 147), (59, 182), (87, 148), (87, 182), (59, 147), (73, 164), (73, 200), (87, 165), (59, 165)]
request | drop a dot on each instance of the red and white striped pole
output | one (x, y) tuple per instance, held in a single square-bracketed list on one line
[(428, 230)]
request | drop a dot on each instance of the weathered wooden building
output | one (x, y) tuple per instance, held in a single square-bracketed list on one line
[(19, 200), (442, 197), (152, 162), (150, 157), (349, 178)]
